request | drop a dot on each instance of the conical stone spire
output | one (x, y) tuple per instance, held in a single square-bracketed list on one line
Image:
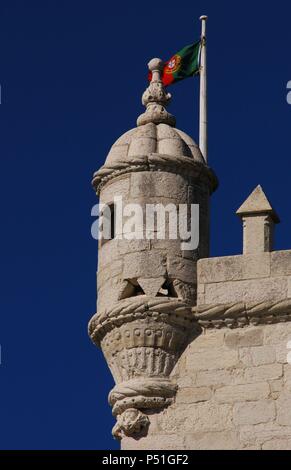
[(257, 203), (155, 98)]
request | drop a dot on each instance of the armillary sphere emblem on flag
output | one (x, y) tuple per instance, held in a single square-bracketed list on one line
[(173, 65)]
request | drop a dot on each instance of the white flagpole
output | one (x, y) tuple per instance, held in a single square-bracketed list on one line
[(203, 91)]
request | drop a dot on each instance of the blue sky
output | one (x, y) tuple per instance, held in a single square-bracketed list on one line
[(72, 74)]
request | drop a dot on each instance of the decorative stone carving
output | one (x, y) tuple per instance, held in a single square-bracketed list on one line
[(155, 98), (155, 162), (142, 338), (240, 314)]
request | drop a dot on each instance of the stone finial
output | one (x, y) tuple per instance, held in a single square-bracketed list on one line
[(155, 98), (259, 219)]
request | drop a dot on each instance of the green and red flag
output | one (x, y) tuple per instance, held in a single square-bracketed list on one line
[(183, 64)]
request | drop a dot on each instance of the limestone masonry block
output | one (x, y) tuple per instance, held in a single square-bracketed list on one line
[(117, 187), (234, 268), (160, 184), (277, 334), (173, 147), (142, 146), (244, 338), (263, 373), (261, 433), (254, 412), (115, 269), (281, 263), (211, 359), (222, 440), (243, 392), (111, 251), (164, 442), (207, 416), (256, 290), (144, 265), (194, 394), (213, 377), (284, 410), (277, 444), (208, 340), (263, 355)]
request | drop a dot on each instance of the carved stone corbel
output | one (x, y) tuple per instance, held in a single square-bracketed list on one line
[(142, 338)]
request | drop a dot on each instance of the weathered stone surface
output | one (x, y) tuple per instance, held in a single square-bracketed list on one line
[(164, 442), (263, 355), (277, 444), (115, 269), (113, 250), (276, 385), (244, 338), (254, 412), (207, 340), (117, 153), (261, 433), (117, 187), (282, 352), (233, 268), (277, 334), (193, 395), (256, 290), (245, 357), (211, 359), (263, 373), (132, 246), (222, 440), (284, 410), (144, 265), (281, 263), (186, 381), (180, 268), (243, 392), (208, 416), (173, 147), (258, 234), (159, 184), (213, 377)]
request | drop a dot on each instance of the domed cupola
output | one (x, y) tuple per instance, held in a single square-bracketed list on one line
[(155, 140)]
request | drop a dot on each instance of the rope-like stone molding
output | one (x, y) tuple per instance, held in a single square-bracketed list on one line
[(241, 314), (157, 391), (154, 162), (128, 398), (166, 309)]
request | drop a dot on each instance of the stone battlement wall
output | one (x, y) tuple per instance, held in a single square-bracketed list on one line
[(245, 278)]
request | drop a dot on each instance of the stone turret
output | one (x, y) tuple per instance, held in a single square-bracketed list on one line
[(147, 283), (259, 219)]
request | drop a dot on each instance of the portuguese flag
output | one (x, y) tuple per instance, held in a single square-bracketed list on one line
[(183, 64)]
